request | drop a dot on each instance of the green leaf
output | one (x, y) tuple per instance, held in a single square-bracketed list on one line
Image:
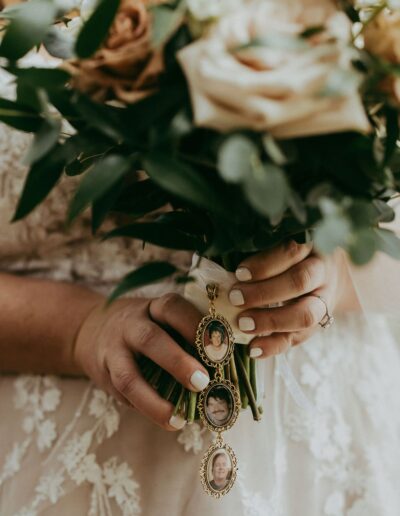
[(145, 275), (165, 23), (183, 181), (235, 157), (27, 28), (388, 242), (41, 77), (332, 232), (392, 133), (267, 190), (19, 117), (101, 117), (161, 234), (97, 181), (95, 30), (103, 205), (140, 198), (45, 139), (42, 177), (362, 246)]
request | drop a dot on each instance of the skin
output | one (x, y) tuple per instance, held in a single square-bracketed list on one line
[(217, 408), (293, 273), (59, 328), (216, 339), (220, 470)]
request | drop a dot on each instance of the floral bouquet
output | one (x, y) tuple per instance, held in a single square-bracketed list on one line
[(221, 127)]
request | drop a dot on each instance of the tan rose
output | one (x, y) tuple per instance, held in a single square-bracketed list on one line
[(279, 86), (382, 39), (126, 67), (382, 36)]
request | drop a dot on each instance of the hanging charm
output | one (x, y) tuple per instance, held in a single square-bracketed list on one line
[(218, 469), (219, 403), (214, 337)]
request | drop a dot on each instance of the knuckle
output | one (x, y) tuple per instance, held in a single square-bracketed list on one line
[(293, 249), (272, 322), (169, 301), (124, 382), (308, 318), (301, 278), (144, 335), (183, 366)]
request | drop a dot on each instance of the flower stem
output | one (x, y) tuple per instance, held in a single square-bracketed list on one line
[(192, 407), (247, 386)]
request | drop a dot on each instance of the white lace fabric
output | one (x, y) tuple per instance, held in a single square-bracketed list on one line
[(67, 448)]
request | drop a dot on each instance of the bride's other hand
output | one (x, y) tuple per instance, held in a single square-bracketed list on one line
[(292, 274), (111, 339)]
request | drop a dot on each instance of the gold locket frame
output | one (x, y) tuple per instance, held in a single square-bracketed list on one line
[(235, 409), (200, 343), (216, 447)]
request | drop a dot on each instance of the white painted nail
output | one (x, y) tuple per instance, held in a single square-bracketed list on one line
[(177, 422), (199, 380), (236, 297), (243, 274), (255, 352), (247, 323)]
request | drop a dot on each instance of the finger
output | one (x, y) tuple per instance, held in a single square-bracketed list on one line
[(152, 341), (263, 347), (303, 278), (272, 262), (127, 380), (176, 312), (299, 315)]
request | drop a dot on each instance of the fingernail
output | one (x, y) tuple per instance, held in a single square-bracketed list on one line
[(243, 274), (247, 323), (236, 297), (255, 352), (177, 422), (199, 380)]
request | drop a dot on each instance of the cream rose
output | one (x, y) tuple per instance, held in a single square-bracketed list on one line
[(280, 86)]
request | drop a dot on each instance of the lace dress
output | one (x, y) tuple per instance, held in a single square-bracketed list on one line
[(67, 448)]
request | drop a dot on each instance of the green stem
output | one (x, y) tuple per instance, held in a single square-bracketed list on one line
[(180, 400), (253, 376), (247, 386), (192, 407)]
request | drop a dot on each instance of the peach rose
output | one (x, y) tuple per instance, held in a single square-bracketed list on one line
[(126, 67), (287, 85)]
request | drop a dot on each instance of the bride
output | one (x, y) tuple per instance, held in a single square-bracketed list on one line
[(83, 433)]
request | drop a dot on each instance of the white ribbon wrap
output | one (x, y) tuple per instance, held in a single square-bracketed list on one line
[(204, 272)]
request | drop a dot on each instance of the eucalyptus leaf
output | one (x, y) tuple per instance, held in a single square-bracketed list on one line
[(97, 181), (145, 275), (59, 43), (45, 139), (235, 158), (161, 234), (27, 28), (101, 117), (41, 179), (95, 30), (363, 245), (267, 190), (166, 20), (331, 232), (388, 242)]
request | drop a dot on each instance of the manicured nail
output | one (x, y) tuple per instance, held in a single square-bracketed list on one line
[(255, 352), (199, 380), (236, 297), (247, 323), (243, 274), (177, 422)]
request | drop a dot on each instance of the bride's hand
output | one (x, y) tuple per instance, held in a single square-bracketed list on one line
[(293, 274), (111, 338)]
